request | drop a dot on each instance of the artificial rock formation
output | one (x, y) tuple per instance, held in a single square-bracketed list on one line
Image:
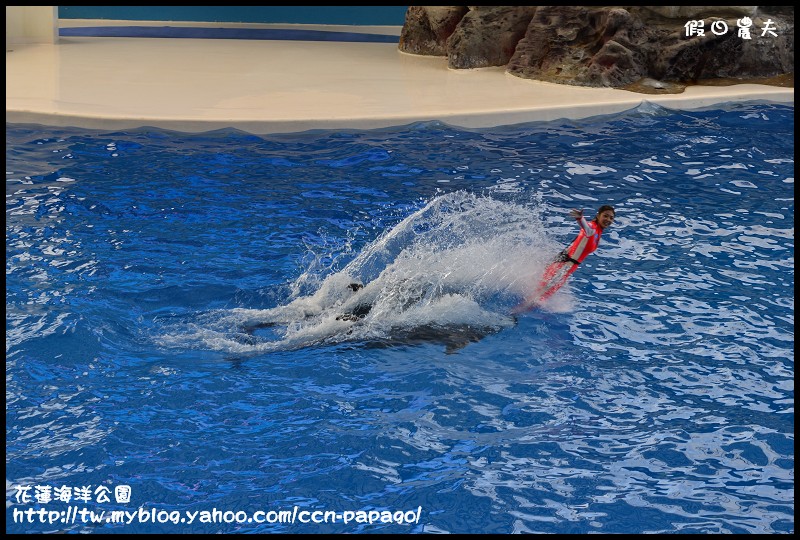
[(427, 28), (487, 36), (607, 46)]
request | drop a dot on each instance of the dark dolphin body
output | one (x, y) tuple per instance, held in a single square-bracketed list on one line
[(454, 338)]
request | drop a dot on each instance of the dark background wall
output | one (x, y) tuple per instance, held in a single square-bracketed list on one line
[(347, 15)]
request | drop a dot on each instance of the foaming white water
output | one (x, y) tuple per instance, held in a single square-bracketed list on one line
[(459, 263)]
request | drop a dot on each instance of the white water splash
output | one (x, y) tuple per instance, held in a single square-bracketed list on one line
[(450, 271)]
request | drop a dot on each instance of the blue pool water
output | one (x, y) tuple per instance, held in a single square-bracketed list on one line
[(174, 324)]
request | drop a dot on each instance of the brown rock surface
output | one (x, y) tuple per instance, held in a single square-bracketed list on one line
[(427, 28), (487, 36), (644, 48)]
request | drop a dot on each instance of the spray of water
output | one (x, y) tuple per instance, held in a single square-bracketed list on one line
[(452, 271)]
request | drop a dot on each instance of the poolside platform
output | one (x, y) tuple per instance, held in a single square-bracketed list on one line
[(267, 86)]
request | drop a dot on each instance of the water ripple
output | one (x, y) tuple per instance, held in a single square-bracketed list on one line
[(654, 394)]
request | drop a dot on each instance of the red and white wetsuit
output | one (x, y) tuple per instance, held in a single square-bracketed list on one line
[(568, 260), (585, 243)]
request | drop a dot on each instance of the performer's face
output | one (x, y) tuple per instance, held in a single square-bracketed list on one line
[(605, 218)]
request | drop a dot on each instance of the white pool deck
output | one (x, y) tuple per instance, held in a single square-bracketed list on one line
[(262, 87)]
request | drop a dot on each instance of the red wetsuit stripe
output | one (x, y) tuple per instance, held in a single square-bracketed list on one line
[(584, 244), (556, 275)]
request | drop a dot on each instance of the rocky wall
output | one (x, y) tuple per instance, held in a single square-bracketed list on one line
[(610, 46)]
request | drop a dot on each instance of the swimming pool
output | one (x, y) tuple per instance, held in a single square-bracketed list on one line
[(174, 324)]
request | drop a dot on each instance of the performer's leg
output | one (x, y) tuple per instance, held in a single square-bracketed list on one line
[(549, 279), (555, 284), (550, 272)]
